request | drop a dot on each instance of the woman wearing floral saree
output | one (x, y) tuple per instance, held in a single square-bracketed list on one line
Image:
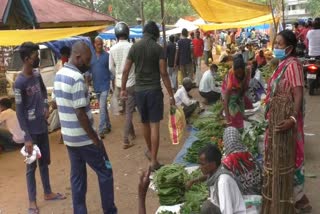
[(287, 81)]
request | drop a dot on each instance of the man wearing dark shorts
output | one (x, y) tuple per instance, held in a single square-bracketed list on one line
[(150, 65)]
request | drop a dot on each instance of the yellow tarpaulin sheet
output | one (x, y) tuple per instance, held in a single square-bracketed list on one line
[(248, 23), (222, 11), (17, 37)]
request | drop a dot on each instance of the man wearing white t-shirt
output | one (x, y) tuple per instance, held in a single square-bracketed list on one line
[(313, 37), (10, 131), (208, 88)]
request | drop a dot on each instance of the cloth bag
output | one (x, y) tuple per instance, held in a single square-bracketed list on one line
[(177, 123)]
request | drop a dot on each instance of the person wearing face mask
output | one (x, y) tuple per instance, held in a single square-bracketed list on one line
[(184, 100), (83, 143), (234, 88), (32, 113), (287, 81)]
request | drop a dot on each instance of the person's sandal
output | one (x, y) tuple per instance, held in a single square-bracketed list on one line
[(127, 145), (156, 167), (307, 208), (33, 211)]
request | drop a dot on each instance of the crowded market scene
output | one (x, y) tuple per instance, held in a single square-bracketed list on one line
[(159, 106)]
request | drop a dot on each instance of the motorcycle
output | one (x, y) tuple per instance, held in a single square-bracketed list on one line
[(311, 67)]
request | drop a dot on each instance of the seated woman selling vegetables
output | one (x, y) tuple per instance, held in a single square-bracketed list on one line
[(241, 163), (224, 194)]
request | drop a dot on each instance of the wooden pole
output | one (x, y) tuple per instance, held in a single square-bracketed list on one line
[(275, 24), (163, 25), (142, 13), (283, 16)]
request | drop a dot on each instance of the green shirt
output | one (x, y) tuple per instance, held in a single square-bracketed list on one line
[(146, 55)]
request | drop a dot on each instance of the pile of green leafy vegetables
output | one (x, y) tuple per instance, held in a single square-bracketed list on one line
[(195, 196), (210, 131), (170, 182), (250, 136)]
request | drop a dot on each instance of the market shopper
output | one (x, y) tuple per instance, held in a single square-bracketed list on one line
[(117, 60), (32, 112), (313, 37), (208, 88), (82, 142), (101, 77), (150, 66), (224, 194), (261, 59), (234, 88), (198, 46), (184, 100), (171, 54), (184, 55), (207, 48), (287, 82), (241, 163)]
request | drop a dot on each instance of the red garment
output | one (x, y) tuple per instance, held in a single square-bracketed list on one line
[(198, 45), (261, 60), (64, 59)]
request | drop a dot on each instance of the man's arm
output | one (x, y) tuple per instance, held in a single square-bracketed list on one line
[(86, 125), (22, 116), (166, 80)]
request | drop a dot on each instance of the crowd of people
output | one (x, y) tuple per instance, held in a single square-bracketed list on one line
[(134, 72)]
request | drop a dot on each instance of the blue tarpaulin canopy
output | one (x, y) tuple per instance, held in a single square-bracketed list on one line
[(135, 32)]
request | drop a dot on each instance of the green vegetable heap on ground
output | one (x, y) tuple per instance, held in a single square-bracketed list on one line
[(170, 184), (195, 196), (250, 136), (210, 128)]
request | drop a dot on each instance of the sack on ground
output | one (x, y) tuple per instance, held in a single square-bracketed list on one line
[(177, 123)]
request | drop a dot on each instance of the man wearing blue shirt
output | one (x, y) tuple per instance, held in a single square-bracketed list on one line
[(101, 77)]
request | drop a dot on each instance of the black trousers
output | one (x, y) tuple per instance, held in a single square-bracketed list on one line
[(211, 96)]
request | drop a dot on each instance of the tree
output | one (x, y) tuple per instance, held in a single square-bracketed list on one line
[(313, 6)]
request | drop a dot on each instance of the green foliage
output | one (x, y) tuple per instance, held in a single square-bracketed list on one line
[(129, 10), (313, 6)]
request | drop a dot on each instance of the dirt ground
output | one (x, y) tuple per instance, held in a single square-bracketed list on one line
[(127, 164)]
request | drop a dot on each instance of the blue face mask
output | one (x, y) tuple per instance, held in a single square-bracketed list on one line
[(280, 53)]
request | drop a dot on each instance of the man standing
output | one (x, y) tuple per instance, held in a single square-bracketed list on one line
[(83, 143), (32, 112), (207, 49), (117, 59), (198, 46), (101, 77), (150, 65), (171, 53), (184, 55)]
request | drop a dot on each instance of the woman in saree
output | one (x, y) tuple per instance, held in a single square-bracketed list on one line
[(288, 81), (233, 92)]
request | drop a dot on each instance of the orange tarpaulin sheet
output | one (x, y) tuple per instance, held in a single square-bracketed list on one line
[(222, 11)]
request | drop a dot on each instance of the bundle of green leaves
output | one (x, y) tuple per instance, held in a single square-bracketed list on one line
[(170, 184)]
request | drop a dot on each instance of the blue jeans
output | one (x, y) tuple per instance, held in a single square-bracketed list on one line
[(42, 141), (98, 160), (104, 115)]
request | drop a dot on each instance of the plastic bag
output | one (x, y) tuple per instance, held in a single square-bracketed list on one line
[(29, 159), (177, 123)]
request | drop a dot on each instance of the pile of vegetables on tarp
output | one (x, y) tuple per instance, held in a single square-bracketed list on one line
[(170, 181), (195, 196), (223, 69), (210, 131)]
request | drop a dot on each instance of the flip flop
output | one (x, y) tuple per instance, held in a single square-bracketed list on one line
[(127, 146), (155, 168), (58, 197), (33, 211), (147, 154)]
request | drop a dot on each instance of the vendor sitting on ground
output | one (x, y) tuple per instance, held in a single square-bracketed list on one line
[(184, 100), (10, 132), (241, 163), (224, 194), (207, 86)]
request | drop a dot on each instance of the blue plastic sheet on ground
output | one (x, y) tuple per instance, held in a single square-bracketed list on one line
[(189, 141)]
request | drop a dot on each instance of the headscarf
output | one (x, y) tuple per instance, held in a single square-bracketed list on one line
[(232, 141)]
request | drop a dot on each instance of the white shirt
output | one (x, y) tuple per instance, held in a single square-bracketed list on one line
[(117, 60), (182, 99), (207, 44), (230, 197), (207, 83), (8, 118), (313, 37)]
